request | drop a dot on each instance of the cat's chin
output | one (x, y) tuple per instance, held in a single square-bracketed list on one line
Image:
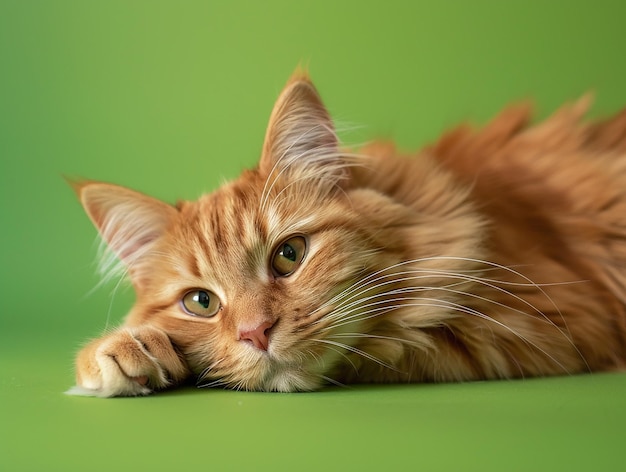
[(290, 380), (285, 377)]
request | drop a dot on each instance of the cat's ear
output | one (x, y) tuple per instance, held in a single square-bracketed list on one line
[(300, 134), (128, 222)]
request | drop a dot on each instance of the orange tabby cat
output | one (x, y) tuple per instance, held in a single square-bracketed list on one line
[(495, 253)]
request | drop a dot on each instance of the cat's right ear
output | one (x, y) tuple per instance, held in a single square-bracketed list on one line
[(128, 221)]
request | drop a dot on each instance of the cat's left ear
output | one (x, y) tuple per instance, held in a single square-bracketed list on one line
[(300, 134), (128, 221)]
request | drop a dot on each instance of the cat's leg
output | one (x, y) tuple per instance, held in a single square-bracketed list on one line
[(128, 362)]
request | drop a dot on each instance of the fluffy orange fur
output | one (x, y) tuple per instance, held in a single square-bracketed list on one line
[(494, 253)]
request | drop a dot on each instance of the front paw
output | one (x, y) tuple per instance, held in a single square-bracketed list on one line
[(128, 362)]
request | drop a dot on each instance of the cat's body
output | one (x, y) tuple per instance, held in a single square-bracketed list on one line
[(497, 253)]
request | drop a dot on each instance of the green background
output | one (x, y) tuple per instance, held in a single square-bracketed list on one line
[(171, 98)]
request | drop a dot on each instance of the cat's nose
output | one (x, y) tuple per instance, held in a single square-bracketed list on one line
[(259, 336)]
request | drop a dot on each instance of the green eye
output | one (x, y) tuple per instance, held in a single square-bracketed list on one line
[(201, 303), (288, 256)]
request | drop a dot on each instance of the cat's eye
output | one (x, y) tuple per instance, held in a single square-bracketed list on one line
[(201, 303), (288, 256)]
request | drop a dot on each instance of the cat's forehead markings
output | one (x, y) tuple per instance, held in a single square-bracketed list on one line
[(225, 217)]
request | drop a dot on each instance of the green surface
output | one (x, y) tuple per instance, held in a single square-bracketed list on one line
[(170, 98)]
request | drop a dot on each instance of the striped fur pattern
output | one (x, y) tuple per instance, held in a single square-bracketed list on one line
[(494, 253)]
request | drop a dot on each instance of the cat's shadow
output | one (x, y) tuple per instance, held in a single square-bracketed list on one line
[(190, 389)]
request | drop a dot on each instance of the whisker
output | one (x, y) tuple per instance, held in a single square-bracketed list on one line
[(343, 354), (317, 357), (353, 295), (430, 274), (211, 384), (358, 352), (374, 336), (447, 288), (334, 382), (342, 310), (435, 303)]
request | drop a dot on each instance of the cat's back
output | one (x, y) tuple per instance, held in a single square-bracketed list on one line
[(553, 199), (555, 196)]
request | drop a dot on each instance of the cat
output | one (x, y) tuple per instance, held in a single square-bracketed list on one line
[(495, 253)]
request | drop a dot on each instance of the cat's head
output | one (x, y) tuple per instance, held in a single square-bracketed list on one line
[(245, 280)]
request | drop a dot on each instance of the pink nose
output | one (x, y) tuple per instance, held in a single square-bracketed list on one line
[(258, 336)]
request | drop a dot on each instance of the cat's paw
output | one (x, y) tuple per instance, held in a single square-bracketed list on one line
[(128, 362)]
